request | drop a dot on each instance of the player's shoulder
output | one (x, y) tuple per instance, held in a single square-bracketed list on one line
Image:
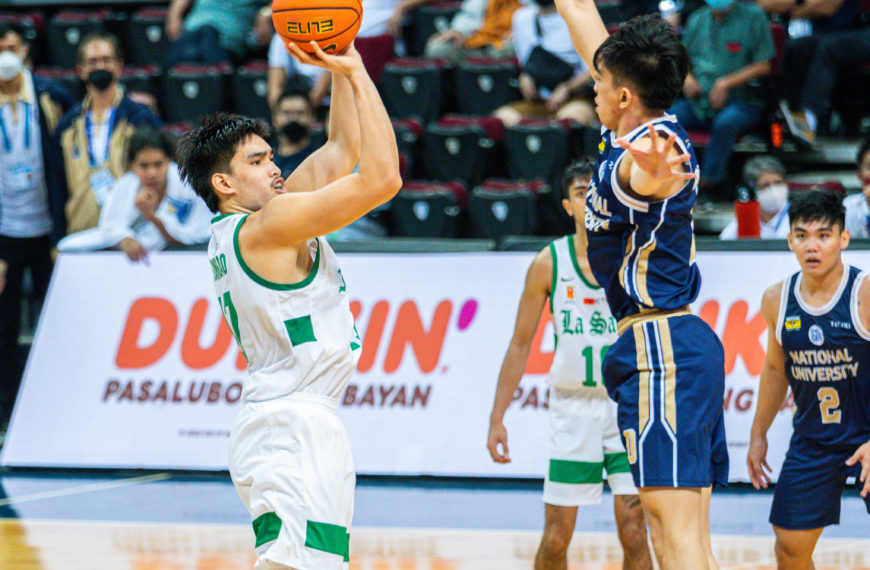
[(771, 299)]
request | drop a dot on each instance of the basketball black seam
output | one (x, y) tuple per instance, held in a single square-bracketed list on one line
[(326, 38)]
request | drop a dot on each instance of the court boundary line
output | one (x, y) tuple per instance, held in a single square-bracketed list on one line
[(89, 488)]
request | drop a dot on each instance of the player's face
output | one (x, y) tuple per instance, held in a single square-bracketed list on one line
[(608, 99), (151, 166), (817, 245), (575, 203), (253, 175)]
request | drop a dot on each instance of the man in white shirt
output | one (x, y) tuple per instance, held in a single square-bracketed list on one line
[(858, 205), (148, 208), (767, 175)]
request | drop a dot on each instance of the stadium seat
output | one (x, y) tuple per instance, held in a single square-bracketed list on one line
[(66, 77), (428, 209), (144, 41), (191, 91), (457, 152), (537, 149), (484, 85), (409, 133), (498, 208), (66, 29), (610, 10), (249, 90), (375, 52), (428, 20), (411, 88), (145, 78), (177, 130)]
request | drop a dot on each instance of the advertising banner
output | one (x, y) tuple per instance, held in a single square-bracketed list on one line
[(133, 366)]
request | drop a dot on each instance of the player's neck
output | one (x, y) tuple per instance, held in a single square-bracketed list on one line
[(817, 290), (635, 117), (580, 243)]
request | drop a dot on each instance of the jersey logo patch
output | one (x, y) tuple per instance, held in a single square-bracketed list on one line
[(817, 337), (569, 291), (792, 323)]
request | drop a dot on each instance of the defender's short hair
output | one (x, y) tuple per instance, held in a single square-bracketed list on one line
[(817, 206), (580, 168)]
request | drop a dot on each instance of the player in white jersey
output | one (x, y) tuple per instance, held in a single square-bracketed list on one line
[(584, 436), (283, 295)]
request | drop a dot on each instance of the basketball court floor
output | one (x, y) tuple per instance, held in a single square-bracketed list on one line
[(72, 520)]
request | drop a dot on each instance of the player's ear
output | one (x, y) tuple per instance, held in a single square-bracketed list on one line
[(567, 205), (222, 185), (790, 244), (845, 237), (625, 97)]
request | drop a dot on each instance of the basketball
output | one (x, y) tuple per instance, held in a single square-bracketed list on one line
[(331, 23)]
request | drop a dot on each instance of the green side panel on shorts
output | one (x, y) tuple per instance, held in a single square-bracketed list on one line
[(329, 538), (300, 330), (575, 472), (266, 528), (616, 463)]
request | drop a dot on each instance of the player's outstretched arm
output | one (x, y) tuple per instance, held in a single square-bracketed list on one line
[(654, 168), (772, 389), (290, 219), (340, 154), (585, 25), (535, 293)]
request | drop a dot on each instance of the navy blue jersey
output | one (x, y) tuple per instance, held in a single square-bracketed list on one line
[(827, 363), (643, 253)]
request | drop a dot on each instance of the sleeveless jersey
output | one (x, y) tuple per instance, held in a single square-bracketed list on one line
[(582, 322), (642, 253), (827, 362), (296, 338)]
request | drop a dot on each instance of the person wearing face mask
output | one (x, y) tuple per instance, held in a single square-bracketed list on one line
[(94, 135), (292, 118), (729, 45), (767, 175), (31, 209), (858, 205)]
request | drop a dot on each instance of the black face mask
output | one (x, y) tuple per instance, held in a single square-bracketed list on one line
[(294, 131), (100, 79)]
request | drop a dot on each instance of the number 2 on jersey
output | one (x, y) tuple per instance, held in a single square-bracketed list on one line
[(829, 401), (589, 357)]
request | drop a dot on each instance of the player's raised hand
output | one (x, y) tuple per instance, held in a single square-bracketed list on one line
[(655, 161), (344, 62), (756, 462), (498, 437), (862, 454)]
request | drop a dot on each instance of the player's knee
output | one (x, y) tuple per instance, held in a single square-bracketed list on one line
[(788, 553), (556, 540), (632, 533)]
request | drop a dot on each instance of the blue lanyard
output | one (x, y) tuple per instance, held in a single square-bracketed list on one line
[(89, 133), (7, 143)]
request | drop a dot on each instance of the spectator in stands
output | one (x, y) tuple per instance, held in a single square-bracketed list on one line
[(858, 205), (766, 175), (283, 69), (481, 28), (94, 134), (552, 75), (812, 63), (209, 31), (147, 99), (148, 208), (729, 45), (292, 118), (31, 209)]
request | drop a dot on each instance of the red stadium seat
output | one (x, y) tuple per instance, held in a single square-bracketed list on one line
[(191, 91), (144, 42), (249, 89), (412, 88), (484, 85), (67, 28), (428, 209), (498, 208)]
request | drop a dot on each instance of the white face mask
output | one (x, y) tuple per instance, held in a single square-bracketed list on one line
[(773, 198), (10, 65)]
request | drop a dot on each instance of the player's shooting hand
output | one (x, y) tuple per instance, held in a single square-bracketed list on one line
[(862, 455), (756, 462), (498, 437), (655, 162), (345, 62)]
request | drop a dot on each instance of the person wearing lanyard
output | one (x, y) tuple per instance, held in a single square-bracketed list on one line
[(766, 174), (93, 136), (858, 205), (29, 109)]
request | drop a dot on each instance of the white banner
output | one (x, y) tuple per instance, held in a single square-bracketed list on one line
[(133, 366)]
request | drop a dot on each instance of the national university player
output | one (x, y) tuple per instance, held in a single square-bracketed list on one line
[(818, 343), (666, 368), (584, 437), (284, 297)]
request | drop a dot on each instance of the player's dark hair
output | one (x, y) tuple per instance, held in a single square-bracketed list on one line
[(817, 206), (580, 168), (210, 148), (145, 138), (863, 148), (646, 55)]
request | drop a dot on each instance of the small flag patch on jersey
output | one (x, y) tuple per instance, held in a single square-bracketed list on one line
[(570, 291), (588, 301), (792, 323)]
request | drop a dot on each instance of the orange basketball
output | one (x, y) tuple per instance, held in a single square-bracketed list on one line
[(331, 23)]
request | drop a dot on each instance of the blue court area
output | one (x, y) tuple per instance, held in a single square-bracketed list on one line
[(168, 497)]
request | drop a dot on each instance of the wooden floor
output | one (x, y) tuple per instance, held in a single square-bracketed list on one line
[(74, 545)]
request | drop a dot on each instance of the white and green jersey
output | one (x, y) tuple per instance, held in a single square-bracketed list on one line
[(296, 338), (582, 322)]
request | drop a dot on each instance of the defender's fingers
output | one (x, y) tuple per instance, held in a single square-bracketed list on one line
[(683, 175), (679, 159)]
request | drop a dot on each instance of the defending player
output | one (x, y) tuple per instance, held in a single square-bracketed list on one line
[(282, 293), (666, 369), (584, 437), (818, 323)]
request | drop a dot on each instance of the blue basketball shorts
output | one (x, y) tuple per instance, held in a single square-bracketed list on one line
[(812, 479), (666, 373)]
